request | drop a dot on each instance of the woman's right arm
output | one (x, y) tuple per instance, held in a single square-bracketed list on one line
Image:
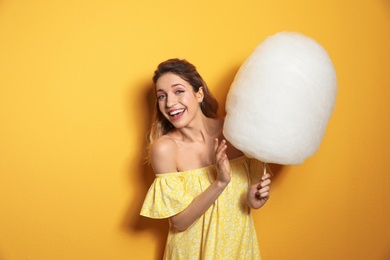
[(164, 160)]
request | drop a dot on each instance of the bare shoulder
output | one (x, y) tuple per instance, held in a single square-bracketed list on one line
[(163, 155)]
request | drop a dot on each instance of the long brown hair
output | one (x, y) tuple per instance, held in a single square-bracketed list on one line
[(187, 71)]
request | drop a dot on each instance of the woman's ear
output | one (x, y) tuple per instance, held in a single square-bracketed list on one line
[(200, 94)]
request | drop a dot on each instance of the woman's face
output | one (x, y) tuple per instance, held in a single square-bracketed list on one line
[(177, 100)]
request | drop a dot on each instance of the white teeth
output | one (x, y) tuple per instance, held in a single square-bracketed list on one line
[(176, 112)]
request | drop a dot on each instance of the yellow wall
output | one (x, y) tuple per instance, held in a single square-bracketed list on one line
[(75, 80)]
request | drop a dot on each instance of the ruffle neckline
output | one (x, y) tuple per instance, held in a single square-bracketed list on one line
[(198, 170)]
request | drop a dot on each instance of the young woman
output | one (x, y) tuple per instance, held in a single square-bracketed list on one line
[(203, 185)]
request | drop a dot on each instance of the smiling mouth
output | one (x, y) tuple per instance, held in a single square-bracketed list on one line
[(176, 113)]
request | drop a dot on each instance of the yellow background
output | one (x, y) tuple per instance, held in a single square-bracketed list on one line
[(75, 80)]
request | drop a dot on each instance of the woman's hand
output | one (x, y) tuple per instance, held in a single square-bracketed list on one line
[(222, 162), (258, 193)]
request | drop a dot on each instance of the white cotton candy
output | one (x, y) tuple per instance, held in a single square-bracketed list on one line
[(281, 100)]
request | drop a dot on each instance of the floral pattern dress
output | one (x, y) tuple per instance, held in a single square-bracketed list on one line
[(225, 230)]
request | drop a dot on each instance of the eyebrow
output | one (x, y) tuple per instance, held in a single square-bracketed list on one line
[(174, 85)]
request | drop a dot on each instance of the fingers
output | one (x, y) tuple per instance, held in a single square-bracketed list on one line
[(221, 161), (265, 181), (220, 149), (266, 176), (262, 193), (263, 187)]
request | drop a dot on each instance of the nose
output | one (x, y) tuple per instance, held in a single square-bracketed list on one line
[(171, 100)]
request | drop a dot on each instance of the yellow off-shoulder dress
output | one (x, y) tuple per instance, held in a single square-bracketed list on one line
[(225, 230)]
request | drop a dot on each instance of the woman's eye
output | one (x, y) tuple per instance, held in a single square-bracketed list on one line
[(160, 97), (179, 91)]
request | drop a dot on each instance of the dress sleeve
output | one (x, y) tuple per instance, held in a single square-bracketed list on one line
[(256, 169), (167, 196)]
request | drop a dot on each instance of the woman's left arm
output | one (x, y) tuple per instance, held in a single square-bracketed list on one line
[(258, 193)]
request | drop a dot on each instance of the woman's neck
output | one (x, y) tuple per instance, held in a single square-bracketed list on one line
[(198, 130)]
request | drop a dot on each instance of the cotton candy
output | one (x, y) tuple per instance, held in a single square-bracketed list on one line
[(281, 99)]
